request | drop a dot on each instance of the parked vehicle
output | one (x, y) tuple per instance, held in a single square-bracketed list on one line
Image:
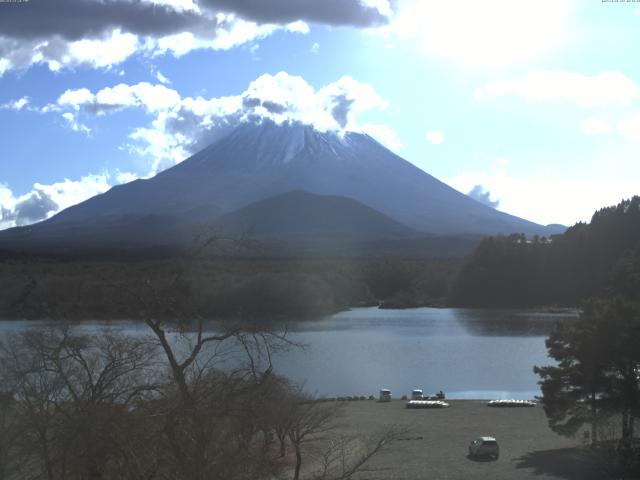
[(416, 394), (484, 447), (385, 395)]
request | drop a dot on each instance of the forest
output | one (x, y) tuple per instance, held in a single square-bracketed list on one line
[(597, 258), (221, 287), (589, 259)]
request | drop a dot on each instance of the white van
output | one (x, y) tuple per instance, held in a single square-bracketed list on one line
[(484, 447), (385, 395), (416, 394)]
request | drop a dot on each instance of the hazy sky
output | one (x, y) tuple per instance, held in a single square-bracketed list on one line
[(536, 101)]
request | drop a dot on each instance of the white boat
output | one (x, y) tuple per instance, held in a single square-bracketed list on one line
[(511, 403), (427, 404)]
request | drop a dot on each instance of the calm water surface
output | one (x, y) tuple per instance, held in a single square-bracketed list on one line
[(467, 353)]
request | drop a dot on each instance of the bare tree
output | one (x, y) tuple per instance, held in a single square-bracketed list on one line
[(309, 421), (71, 395), (311, 430), (216, 373), (8, 435), (344, 456)]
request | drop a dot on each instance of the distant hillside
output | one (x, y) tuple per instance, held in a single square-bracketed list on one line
[(108, 232), (302, 215), (291, 224), (589, 259)]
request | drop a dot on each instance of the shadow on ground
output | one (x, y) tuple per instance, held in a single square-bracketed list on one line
[(485, 458), (568, 463)]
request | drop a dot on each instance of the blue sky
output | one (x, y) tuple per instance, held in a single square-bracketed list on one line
[(537, 102)]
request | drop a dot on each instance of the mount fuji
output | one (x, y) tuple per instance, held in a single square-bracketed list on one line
[(285, 182)]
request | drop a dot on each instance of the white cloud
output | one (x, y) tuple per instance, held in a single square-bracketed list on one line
[(16, 104), (152, 98), (231, 33), (545, 197), (482, 195), (125, 177), (5, 65), (630, 128), (162, 145), (184, 125), (298, 27), (238, 32), (101, 34), (74, 124), (162, 79), (75, 98), (474, 33), (44, 201), (594, 126), (178, 44), (221, 31), (188, 5), (385, 135), (31, 207), (383, 6), (70, 192), (104, 52), (602, 89), (436, 137)]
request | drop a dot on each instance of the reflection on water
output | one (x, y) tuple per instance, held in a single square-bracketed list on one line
[(510, 323), (467, 353)]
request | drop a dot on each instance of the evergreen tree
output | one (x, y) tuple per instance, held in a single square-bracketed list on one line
[(621, 339), (572, 391), (587, 260), (598, 364)]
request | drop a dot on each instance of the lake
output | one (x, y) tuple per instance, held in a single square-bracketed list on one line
[(467, 353)]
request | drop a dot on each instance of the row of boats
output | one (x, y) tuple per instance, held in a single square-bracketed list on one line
[(511, 403), (419, 400)]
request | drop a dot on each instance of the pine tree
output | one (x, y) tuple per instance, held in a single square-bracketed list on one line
[(597, 374), (572, 391)]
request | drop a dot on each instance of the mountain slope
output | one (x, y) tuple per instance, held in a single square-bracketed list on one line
[(298, 214), (255, 162), (380, 195)]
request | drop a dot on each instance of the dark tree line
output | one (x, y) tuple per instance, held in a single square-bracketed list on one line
[(224, 287), (586, 261)]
